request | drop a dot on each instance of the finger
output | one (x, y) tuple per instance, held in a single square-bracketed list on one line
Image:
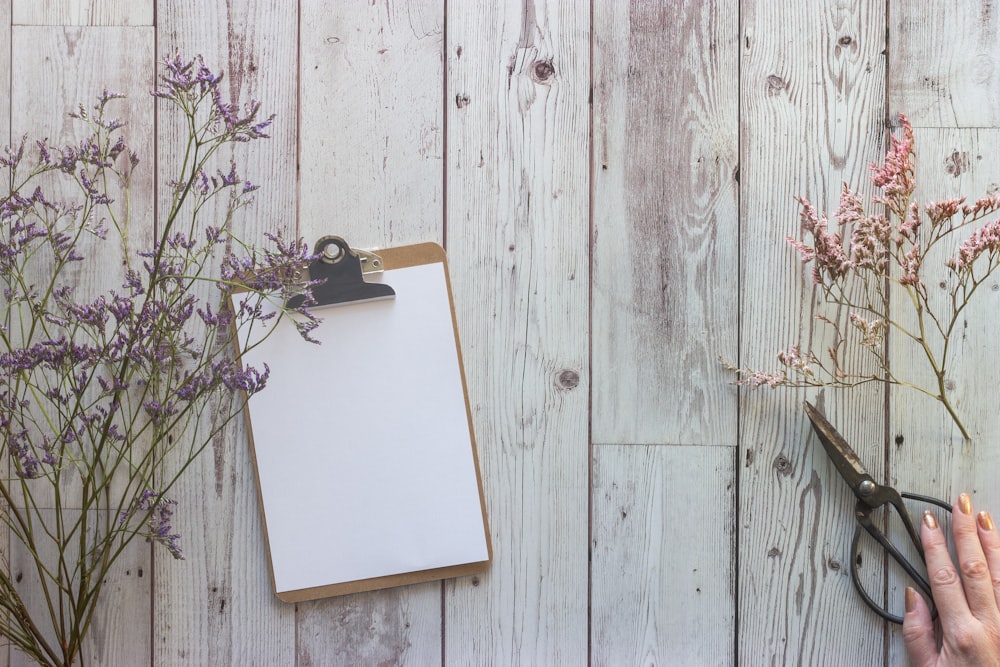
[(972, 563), (946, 585), (990, 540), (918, 630)]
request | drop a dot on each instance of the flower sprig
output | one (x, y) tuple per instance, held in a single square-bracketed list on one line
[(107, 398), (864, 255)]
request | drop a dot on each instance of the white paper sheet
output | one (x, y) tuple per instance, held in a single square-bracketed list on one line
[(363, 448)]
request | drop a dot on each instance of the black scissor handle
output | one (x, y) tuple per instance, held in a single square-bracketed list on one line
[(865, 524)]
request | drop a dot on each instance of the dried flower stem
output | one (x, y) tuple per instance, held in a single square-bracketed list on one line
[(858, 257), (97, 394)]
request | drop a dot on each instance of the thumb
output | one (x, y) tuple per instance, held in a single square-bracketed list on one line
[(918, 631)]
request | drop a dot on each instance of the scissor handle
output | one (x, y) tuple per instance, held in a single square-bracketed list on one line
[(865, 522)]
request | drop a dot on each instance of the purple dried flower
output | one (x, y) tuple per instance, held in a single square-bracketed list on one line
[(160, 512), (124, 367)]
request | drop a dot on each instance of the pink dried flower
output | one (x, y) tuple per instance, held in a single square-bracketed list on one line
[(938, 212), (869, 240), (755, 379), (798, 361), (895, 176), (828, 254), (909, 226), (886, 248), (872, 332), (910, 264), (986, 204), (986, 239)]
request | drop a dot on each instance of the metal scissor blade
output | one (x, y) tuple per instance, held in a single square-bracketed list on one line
[(846, 461)]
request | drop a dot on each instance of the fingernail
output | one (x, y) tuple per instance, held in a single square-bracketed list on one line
[(911, 599), (965, 503), (985, 521), (929, 519)]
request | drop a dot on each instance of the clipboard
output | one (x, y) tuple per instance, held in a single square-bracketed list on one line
[(363, 446)]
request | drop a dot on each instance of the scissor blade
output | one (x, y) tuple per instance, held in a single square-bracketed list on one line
[(846, 461)]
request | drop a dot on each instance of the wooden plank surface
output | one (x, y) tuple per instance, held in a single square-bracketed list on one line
[(517, 236), (812, 88), (944, 63), (661, 571), (217, 606), (372, 143), (665, 226), (83, 12)]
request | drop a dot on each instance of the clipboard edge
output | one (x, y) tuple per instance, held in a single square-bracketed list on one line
[(430, 253), (380, 583)]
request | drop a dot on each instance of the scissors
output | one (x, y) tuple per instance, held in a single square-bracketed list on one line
[(871, 495)]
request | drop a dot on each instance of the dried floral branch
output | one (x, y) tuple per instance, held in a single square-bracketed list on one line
[(98, 393), (858, 257)]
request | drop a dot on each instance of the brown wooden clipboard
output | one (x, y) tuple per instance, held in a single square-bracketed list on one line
[(363, 446)]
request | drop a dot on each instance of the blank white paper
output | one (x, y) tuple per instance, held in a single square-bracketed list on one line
[(363, 449)]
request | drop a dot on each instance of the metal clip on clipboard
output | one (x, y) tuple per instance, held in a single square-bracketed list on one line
[(342, 270)]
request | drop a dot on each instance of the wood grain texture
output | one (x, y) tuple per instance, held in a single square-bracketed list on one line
[(83, 12), (119, 634), (665, 224), (517, 237), (812, 85), (218, 606), (661, 572), (372, 143), (372, 149), (394, 627), (928, 455), (945, 63)]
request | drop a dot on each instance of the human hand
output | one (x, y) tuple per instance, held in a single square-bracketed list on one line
[(968, 605)]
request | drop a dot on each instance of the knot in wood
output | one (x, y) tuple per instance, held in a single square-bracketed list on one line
[(567, 379), (782, 465), (542, 71), (775, 84)]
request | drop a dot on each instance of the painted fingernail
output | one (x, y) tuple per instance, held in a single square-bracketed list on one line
[(965, 503), (985, 521), (911, 599), (929, 519)]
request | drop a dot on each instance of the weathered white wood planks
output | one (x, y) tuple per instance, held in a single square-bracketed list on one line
[(662, 589), (518, 240), (944, 63), (83, 12), (811, 91), (665, 178), (372, 138)]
